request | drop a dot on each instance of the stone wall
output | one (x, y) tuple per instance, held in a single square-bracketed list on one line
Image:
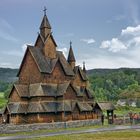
[(9, 128)]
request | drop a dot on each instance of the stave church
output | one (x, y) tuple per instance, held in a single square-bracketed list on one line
[(50, 87)]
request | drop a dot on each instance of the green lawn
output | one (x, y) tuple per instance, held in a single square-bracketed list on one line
[(126, 110), (1, 94), (3, 101), (123, 135)]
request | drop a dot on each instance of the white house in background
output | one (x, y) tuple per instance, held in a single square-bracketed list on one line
[(124, 102), (132, 103)]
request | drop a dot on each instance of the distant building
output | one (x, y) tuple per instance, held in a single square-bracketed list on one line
[(50, 88), (124, 102)]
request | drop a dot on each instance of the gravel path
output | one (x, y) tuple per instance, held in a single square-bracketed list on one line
[(68, 132)]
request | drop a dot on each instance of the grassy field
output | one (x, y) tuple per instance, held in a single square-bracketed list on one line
[(1, 94), (124, 135), (126, 110), (2, 100)]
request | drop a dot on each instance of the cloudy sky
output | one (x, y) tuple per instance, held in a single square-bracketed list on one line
[(105, 33)]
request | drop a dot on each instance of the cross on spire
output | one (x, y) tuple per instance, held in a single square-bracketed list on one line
[(84, 63), (70, 43), (84, 68), (45, 9)]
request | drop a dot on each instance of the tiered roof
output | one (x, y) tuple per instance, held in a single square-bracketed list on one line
[(46, 65), (49, 90), (47, 107)]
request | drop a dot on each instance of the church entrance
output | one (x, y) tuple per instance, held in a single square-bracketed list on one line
[(75, 115), (8, 118)]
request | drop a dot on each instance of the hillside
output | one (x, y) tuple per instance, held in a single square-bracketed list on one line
[(8, 75), (113, 84), (103, 72), (107, 84)]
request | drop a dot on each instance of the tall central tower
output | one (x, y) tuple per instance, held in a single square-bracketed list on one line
[(50, 88)]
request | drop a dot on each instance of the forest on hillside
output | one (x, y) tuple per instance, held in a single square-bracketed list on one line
[(106, 84), (114, 84)]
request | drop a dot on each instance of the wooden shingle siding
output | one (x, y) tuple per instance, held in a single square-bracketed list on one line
[(50, 88)]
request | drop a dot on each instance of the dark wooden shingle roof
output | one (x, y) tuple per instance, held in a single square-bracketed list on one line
[(47, 107), (17, 108), (47, 65), (82, 74), (48, 89), (45, 23), (105, 105), (71, 57)]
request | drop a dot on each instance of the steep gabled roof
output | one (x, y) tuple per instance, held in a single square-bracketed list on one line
[(42, 63), (48, 89), (78, 91), (39, 37), (41, 89), (64, 106), (105, 105), (83, 106), (22, 90), (17, 108), (90, 95), (66, 67), (50, 36), (35, 107), (45, 23), (45, 64), (71, 57), (47, 107), (82, 74)]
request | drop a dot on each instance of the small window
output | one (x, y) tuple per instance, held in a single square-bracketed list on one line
[(82, 89)]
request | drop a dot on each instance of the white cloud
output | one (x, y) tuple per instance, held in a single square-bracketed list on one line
[(120, 51), (114, 45), (88, 41), (135, 31), (111, 61), (6, 65), (128, 38), (64, 50), (24, 46)]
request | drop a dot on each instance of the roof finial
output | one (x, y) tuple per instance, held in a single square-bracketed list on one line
[(70, 43), (83, 63), (84, 68), (71, 57), (45, 9)]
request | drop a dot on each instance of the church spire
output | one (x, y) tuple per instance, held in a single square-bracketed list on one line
[(84, 68), (45, 27), (71, 58)]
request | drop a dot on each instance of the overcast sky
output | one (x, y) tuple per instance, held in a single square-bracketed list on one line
[(105, 33)]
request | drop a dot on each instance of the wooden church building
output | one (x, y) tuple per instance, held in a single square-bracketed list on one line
[(50, 88)]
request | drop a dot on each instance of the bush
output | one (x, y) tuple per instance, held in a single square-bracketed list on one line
[(138, 103)]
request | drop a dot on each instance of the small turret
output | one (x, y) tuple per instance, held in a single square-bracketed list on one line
[(71, 58), (45, 27), (84, 68)]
